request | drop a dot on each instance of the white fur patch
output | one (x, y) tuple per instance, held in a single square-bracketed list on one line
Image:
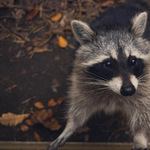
[(99, 59), (139, 55), (115, 84), (140, 141), (134, 81)]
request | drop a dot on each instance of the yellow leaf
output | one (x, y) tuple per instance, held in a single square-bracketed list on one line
[(12, 119), (38, 105), (62, 42), (56, 17)]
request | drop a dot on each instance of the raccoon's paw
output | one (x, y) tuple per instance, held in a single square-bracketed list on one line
[(57, 143)]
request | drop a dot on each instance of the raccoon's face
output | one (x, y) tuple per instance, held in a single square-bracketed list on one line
[(114, 59)]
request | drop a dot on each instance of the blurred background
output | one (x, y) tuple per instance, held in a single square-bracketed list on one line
[(36, 54)]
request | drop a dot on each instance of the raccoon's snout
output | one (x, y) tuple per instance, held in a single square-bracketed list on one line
[(128, 90)]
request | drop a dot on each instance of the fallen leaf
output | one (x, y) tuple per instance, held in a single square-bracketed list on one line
[(29, 122), (56, 17), (12, 119), (60, 100), (34, 119), (62, 42), (10, 88), (32, 13), (107, 3), (24, 128), (29, 48), (68, 28), (86, 137), (52, 103), (54, 125), (19, 13), (37, 137), (50, 113), (38, 105), (43, 115), (82, 129)]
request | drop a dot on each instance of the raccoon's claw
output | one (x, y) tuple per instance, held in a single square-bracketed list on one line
[(57, 143)]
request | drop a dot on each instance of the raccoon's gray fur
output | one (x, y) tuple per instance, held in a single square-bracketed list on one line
[(111, 71)]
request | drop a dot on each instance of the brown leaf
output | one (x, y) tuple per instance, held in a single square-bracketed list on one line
[(62, 42), (24, 128), (82, 129), (32, 13), (37, 137), (107, 3), (50, 113), (38, 105), (12, 119), (10, 88), (56, 17), (52, 102), (54, 125), (86, 137), (29, 122), (60, 100), (43, 115), (34, 119), (29, 48)]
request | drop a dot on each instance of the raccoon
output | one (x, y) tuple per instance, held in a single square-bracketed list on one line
[(111, 71)]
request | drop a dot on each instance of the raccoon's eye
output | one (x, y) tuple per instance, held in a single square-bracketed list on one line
[(133, 61), (107, 64)]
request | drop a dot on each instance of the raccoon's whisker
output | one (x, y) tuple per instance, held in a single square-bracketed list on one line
[(104, 89), (100, 77)]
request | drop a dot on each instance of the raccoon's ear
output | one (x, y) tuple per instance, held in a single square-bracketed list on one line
[(82, 31), (139, 24)]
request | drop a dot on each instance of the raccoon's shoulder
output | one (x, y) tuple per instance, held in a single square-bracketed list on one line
[(120, 16)]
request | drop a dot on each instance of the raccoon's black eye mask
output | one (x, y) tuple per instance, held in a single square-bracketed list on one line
[(105, 70), (136, 65), (110, 68)]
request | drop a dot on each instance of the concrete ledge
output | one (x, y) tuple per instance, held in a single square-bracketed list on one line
[(68, 146)]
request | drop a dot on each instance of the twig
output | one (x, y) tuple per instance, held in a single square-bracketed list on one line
[(41, 9), (17, 6), (79, 2), (65, 4)]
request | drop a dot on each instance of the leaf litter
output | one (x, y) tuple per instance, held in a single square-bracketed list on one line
[(46, 12), (51, 24)]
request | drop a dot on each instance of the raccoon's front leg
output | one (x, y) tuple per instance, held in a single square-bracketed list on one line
[(77, 115), (60, 141), (140, 128), (140, 141)]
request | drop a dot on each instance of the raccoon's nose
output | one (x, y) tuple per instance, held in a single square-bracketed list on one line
[(127, 90)]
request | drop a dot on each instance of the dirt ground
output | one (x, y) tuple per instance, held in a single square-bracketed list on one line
[(28, 76)]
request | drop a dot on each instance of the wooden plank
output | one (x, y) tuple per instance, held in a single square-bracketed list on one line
[(67, 146)]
